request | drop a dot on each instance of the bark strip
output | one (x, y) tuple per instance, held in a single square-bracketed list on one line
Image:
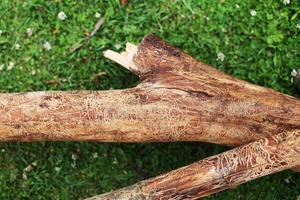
[(219, 172)]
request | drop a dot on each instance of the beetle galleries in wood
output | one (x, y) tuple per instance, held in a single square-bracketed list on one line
[(178, 99), (223, 106), (219, 172)]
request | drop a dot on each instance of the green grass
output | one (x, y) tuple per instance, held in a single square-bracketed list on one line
[(262, 49)]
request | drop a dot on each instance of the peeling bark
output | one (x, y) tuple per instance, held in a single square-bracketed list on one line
[(219, 172)]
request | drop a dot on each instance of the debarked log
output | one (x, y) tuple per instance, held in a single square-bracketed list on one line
[(219, 172), (178, 99)]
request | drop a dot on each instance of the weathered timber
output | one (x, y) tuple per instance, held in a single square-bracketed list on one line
[(178, 99), (219, 172)]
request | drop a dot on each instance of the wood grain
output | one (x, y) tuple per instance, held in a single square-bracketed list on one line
[(219, 172), (178, 99)]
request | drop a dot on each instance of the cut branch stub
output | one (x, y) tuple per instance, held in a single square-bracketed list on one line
[(178, 99)]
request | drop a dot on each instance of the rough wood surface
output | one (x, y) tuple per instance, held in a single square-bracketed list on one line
[(217, 173), (178, 99)]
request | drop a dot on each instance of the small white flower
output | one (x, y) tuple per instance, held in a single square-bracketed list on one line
[(57, 169), (2, 150), (95, 155), (221, 56), (97, 15), (17, 46), (47, 46), (298, 26), (1, 67), (206, 17), (10, 65), (29, 32), (253, 13), (74, 157), (34, 163), (33, 72), (237, 6), (1, 32), (62, 15), (286, 2), (294, 73)]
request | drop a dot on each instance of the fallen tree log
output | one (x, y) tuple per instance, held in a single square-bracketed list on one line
[(219, 172), (178, 99)]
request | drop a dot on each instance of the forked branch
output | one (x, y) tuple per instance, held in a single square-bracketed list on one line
[(178, 99)]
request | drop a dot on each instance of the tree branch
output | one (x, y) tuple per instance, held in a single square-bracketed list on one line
[(178, 99), (217, 173)]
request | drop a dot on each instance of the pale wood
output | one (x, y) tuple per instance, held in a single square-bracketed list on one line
[(125, 58)]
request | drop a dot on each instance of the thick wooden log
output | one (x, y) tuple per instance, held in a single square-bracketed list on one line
[(178, 99), (217, 173)]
